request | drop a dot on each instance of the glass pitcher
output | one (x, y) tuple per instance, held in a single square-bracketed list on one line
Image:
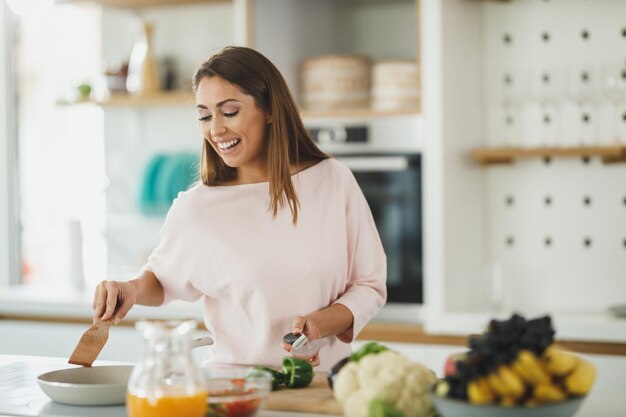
[(166, 381)]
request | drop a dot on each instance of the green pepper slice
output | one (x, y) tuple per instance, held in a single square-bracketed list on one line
[(277, 376), (298, 372)]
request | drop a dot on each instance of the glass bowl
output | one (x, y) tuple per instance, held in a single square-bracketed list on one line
[(453, 407), (235, 391)]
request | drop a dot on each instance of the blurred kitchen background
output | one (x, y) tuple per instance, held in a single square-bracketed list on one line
[(489, 138)]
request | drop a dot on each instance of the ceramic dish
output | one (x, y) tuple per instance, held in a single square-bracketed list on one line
[(450, 407), (99, 385)]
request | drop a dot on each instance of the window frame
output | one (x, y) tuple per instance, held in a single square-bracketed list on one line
[(10, 258)]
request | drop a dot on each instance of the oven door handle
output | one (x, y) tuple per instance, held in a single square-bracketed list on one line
[(375, 163)]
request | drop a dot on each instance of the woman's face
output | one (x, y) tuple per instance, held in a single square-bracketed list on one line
[(234, 126)]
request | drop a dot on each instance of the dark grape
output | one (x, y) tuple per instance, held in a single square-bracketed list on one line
[(501, 343)]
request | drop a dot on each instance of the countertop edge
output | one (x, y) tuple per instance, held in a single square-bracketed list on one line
[(583, 333)]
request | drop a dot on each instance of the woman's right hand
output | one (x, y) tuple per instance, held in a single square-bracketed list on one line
[(113, 299)]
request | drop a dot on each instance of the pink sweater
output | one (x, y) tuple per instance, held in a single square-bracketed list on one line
[(256, 272)]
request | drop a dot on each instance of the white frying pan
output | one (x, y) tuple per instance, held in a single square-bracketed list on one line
[(98, 385)]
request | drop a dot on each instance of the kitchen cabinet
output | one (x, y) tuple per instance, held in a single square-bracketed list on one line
[(376, 29), (289, 32)]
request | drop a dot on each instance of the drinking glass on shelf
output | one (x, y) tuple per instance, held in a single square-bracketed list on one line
[(508, 94), (546, 91), (583, 86), (613, 77)]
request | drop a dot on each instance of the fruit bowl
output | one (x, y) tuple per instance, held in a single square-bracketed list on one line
[(235, 391), (514, 369), (452, 407)]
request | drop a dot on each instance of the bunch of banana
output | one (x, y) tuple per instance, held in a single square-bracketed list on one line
[(576, 374), (507, 384), (531, 380)]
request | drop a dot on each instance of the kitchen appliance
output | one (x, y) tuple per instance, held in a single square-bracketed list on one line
[(391, 180)]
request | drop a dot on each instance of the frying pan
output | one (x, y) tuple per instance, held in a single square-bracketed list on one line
[(98, 385)]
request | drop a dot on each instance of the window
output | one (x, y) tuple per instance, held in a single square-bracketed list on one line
[(9, 269), (60, 148), (81, 168)]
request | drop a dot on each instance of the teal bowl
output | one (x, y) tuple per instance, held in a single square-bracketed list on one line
[(452, 407)]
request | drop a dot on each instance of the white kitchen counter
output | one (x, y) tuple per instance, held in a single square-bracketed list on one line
[(24, 398)]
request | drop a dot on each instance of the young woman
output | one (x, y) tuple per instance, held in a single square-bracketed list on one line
[(276, 237)]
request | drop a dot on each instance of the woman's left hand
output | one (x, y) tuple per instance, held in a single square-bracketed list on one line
[(308, 326)]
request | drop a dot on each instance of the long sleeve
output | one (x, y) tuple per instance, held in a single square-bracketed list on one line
[(366, 291)]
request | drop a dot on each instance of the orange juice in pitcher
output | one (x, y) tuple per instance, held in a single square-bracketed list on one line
[(166, 382), (194, 405)]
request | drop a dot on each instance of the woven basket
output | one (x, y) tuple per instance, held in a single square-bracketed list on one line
[(333, 82), (395, 85)]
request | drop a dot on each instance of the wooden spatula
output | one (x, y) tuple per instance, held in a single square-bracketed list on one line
[(91, 343)]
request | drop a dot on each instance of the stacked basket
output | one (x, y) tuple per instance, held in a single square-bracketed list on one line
[(395, 85), (341, 82)]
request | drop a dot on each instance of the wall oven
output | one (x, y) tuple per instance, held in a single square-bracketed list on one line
[(391, 183)]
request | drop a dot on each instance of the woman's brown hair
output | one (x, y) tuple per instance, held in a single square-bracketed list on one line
[(288, 142)]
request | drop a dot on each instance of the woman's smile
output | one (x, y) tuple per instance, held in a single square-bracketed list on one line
[(227, 147)]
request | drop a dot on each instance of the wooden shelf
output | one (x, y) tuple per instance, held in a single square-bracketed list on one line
[(177, 98), (135, 4), (492, 156)]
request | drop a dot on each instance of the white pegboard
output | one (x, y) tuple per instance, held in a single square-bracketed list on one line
[(547, 64), (557, 229), (558, 232)]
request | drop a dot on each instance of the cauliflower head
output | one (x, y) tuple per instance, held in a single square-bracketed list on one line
[(386, 376)]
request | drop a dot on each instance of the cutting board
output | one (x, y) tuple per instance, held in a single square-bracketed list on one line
[(316, 398)]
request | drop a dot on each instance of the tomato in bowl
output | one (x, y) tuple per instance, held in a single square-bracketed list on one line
[(236, 391)]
